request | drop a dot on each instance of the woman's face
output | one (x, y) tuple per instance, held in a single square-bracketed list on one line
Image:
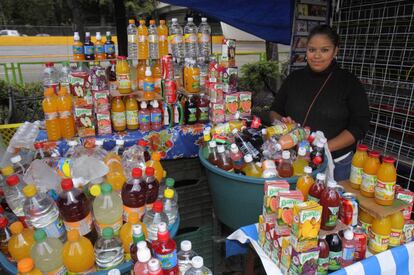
[(320, 52)]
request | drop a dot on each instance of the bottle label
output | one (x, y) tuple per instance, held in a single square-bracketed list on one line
[(378, 243), (56, 229), (109, 48), (323, 264), (144, 118), (168, 261), (148, 86), (115, 226), (385, 190), (51, 116), (196, 82), (132, 38), (77, 49), (190, 38), (156, 117), (113, 86), (89, 50), (59, 271), (84, 226), (118, 119), (129, 210), (368, 182), (334, 260), (395, 237), (312, 198), (348, 253), (333, 216), (99, 49), (123, 81), (162, 38), (65, 114), (203, 38), (141, 84), (203, 113), (132, 117), (175, 38), (152, 38), (356, 175), (366, 227), (184, 265), (142, 38), (192, 116), (157, 83)]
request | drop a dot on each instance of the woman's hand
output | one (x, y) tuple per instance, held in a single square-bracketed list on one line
[(287, 120)]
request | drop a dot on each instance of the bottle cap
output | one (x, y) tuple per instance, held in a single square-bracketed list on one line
[(16, 159), (307, 169), (185, 245), (197, 262), (137, 230), (136, 173), (388, 159), (120, 57), (212, 144), (114, 272), (174, 20), (152, 22), (162, 227), (40, 235), (374, 154), (67, 184), (73, 235), (76, 36), (349, 234), (106, 188), (99, 142), (149, 171), (120, 142), (148, 71), (25, 265), (107, 233), (87, 34), (156, 156), (29, 190), (234, 148), (169, 193), (155, 104), (38, 145), (320, 176), (162, 22), (157, 206), (220, 149), (302, 151), (131, 21), (248, 158), (142, 143), (143, 254), (98, 36), (331, 183), (264, 132), (95, 190), (189, 19), (323, 237), (142, 22), (153, 265), (12, 180), (1, 209), (108, 33), (142, 245), (73, 143), (3, 222), (7, 170), (170, 182), (203, 19), (362, 147), (286, 155), (143, 105)]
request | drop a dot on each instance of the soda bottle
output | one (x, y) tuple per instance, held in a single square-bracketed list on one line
[(236, 157), (144, 118), (154, 267), (88, 47), (15, 198), (153, 187), (365, 221), (50, 77), (66, 119), (245, 145), (162, 39), (123, 75), (198, 267), (47, 253), (335, 251), (204, 39), (224, 161), (132, 39), (131, 106), (50, 108), (156, 164), (348, 248), (323, 260), (176, 39), (293, 138), (397, 225), (169, 185), (369, 174), (109, 252), (300, 162), (156, 116), (148, 85), (156, 73), (75, 209), (152, 218), (118, 114), (126, 233), (165, 250), (330, 201), (107, 208), (202, 109), (64, 75), (111, 76), (26, 266), (305, 182), (21, 242), (317, 156), (184, 256), (386, 179), (138, 241), (141, 68), (134, 195), (153, 40), (315, 191), (192, 77), (41, 212), (250, 169), (285, 168), (379, 237), (190, 112), (78, 254), (213, 156), (143, 257), (77, 48), (110, 46), (190, 39), (142, 40), (99, 47), (357, 166), (170, 206)]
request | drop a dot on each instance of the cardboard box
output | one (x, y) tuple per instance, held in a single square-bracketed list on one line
[(407, 196), (285, 253), (217, 113), (245, 104), (101, 102), (408, 231), (103, 122), (80, 88), (285, 200), (304, 262), (231, 102), (85, 120), (229, 80)]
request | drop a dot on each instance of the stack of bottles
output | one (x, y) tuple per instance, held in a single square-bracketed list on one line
[(89, 50)]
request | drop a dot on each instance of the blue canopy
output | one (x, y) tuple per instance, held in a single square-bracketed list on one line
[(270, 20)]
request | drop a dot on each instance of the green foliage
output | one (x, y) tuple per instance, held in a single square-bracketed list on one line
[(255, 76)]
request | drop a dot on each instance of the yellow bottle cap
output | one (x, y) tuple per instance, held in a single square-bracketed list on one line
[(7, 171), (169, 193), (29, 190), (95, 190), (16, 228)]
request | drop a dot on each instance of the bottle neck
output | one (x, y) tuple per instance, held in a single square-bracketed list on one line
[(138, 238), (164, 236)]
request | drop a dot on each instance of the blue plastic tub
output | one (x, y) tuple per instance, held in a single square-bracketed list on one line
[(238, 199)]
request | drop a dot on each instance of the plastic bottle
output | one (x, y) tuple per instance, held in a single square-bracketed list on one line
[(236, 157), (165, 250), (141, 68), (134, 195), (18, 166), (50, 77), (156, 164), (21, 241), (285, 168), (156, 116), (202, 109), (176, 39), (323, 260), (66, 119), (170, 206), (99, 152), (77, 48), (330, 201), (357, 166), (190, 38), (154, 267), (64, 75), (111, 76), (198, 267), (88, 47), (126, 233), (118, 114), (317, 156), (132, 39), (107, 208), (152, 218), (293, 138), (365, 220), (153, 40), (245, 145), (190, 111), (348, 248), (335, 251), (110, 46), (78, 254), (143, 257), (156, 74), (380, 235), (50, 108), (184, 256), (169, 185), (153, 186), (131, 106), (142, 40), (369, 174), (47, 253), (144, 118), (26, 266), (162, 39), (11, 218), (15, 198), (250, 169), (99, 47), (315, 191), (213, 156), (300, 162), (148, 85), (109, 252), (138, 241), (305, 182), (4, 237), (224, 161), (204, 39), (192, 77), (123, 75), (386, 180), (397, 225)]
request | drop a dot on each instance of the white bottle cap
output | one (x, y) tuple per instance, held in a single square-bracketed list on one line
[(87, 34), (278, 147), (190, 19), (98, 36), (108, 33), (321, 176), (203, 19), (162, 227), (148, 71), (212, 144), (197, 262), (155, 104), (302, 151), (72, 143), (248, 158), (186, 245), (154, 265), (264, 132), (331, 183), (120, 142), (16, 159), (143, 105), (286, 155), (144, 255), (307, 170), (98, 142), (174, 20), (234, 148), (76, 36), (137, 230), (114, 272), (319, 144), (349, 234), (220, 149), (142, 245)]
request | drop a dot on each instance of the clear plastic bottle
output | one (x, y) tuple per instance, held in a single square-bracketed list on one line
[(251, 169), (185, 255), (348, 248), (190, 38), (162, 39), (26, 266), (300, 162), (42, 213), (132, 39), (99, 152), (176, 39), (224, 161), (109, 252), (77, 47), (153, 40), (89, 47), (154, 217), (18, 166), (144, 118), (204, 39), (66, 118), (4, 236), (305, 182), (109, 46), (50, 109), (169, 184), (285, 168), (149, 85), (156, 116), (134, 195), (143, 255), (165, 249), (64, 75), (198, 267), (15, 198), (47, 253), (99, 47), (142, 40), (21, 241), (50, 77), (236, 157), (153, 186), (170, 206)]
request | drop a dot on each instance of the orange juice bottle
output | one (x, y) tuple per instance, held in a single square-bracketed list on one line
[(99, 47), (50, 108), (250, 168), (131, 106), (148, 85), (397, 225), (192, 77), (369, 174), (156, 74), (122, 75), (156, 164), (116, 176), (141, 67), (77, 48), (365, 220), (357, 166), (305, 182), (26, 266), (380, 235), (21, 242), (125, 234), (65, 107), (78, 254), (386, 179), (118, 114), (162, 39), (143, 51)]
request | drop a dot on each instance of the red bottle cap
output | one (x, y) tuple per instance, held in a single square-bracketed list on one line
[(12, 180), (136, 173), (121, 57), (149, 171), (38, 145), (66, 184), (374, 154), (3, 222), (49, 64), (157, 206), (388, 159), (362, 147), (1, 209), (142, 143)]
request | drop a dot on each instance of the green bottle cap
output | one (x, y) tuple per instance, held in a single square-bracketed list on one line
[(106, 189), (170, 182), (40, 235), (107, 233)]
